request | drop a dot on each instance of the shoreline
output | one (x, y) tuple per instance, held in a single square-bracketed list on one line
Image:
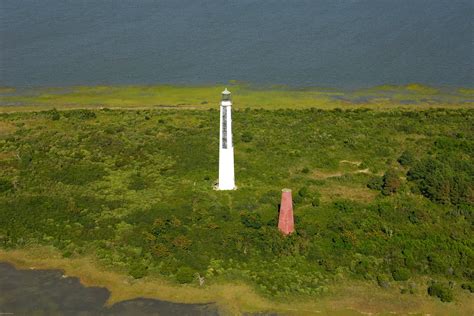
[(354, 298), (412, 96), (91, 274), (50, 291)]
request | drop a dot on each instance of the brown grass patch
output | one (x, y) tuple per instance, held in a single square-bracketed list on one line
[(6, 128), (321, 175), (374, 300), (7, 155)]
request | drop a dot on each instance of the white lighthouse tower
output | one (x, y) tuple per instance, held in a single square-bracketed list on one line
[(226, 148)]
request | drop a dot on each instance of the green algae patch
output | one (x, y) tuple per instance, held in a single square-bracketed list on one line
[(245, 96)]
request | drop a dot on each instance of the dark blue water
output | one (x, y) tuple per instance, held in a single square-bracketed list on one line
[(339, 43)]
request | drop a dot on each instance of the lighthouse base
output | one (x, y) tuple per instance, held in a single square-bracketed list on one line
[(226, 170)]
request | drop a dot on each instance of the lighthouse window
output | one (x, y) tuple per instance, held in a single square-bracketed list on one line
[(225, 97), (224, 128)]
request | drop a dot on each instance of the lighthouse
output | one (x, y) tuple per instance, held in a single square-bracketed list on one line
[(286, 222), (226, 148)]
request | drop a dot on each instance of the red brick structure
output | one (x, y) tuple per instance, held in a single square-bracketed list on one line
[(285, 222)]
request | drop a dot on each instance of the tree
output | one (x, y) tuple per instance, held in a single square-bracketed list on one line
[(445, 180)]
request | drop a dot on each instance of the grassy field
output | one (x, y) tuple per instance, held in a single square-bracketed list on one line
[(382, 186)]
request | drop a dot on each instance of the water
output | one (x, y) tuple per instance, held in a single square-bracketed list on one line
[(47, 292), (335, 43)]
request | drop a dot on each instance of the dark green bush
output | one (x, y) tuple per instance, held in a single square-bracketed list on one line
[(5, 185), (67, 254), (468, 286), (137, 182), (443, 292), (375, 183), (303, 192), (251, 219), (391, 182), (401, 274), (383, 281), (185, 275), (316, 201), (54, 114), (438, 263), (297, 199), (247, 137), (81, 114), (406, 158), (79, 174), (444, 181), (344, 205), (138, 270)]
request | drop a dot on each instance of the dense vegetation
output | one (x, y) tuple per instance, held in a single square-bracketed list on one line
[(385, 196)]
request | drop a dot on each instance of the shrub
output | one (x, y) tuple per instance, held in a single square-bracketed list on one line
[(137, 182), (297, 199), (79, 174), (251, 220), (401, 274), (185, 275), (468, 286), (406, 158), (444, 293), (138, 270), (5, 185), (315, 201), (438, 263), (444, 182), (160, 250), (375, 183), (303, 192), (391, 182), (54, 114), (344, 205), (81, 114), (246, 137), (67, 254), (382, 281), (182, 242)]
